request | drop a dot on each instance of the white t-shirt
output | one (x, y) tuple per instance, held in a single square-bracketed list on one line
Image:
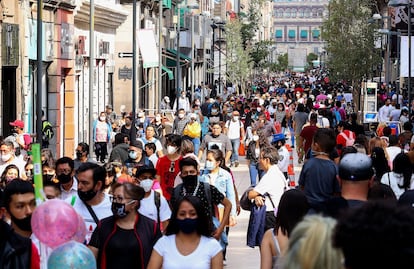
[(284, 162), (393, 180), (102, 210), (148, 208), (274, 183), (200, 258), (233, 129), (68, 194)]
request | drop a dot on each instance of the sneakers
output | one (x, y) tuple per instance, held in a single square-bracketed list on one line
[(236, 163)]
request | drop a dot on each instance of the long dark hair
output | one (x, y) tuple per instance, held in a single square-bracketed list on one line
[(204, 224), (293, 206), (402, 165)]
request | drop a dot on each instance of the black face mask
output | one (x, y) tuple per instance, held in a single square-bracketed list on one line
[(78, 154), (118, 210), (49, 177), (190, 180), (63, 178), (23, 224), (87, 195)]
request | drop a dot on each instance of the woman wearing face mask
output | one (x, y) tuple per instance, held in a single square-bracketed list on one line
[(124, 240), (188, 242), (215, 175), (280, 116), (168, 165), (101, 136), (215, 114), (252, 156), (10, 173)]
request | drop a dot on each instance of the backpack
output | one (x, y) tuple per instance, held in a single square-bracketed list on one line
[(349, 141), (47, 131)]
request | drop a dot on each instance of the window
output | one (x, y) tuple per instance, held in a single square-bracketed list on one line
[(293, 13), (303, 34), (291, 34), (316, 33), (279, 33)]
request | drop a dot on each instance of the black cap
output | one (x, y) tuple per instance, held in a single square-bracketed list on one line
[(356, 167), (136, 144), (145, 169)]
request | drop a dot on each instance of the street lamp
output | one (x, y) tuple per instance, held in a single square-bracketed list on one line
[(218, 24), (408, 4)]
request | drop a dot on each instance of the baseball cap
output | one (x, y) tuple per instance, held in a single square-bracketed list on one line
[(136, 144), (17, 123), (145, 169), (355, 167)]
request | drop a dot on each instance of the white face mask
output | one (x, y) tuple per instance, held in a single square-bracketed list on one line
[(157, 118), (235, 118), (171, 149), (255, 137), (102, 118), (180, 116), (259, 109), (5, 157), (146, 184), (210, 165)]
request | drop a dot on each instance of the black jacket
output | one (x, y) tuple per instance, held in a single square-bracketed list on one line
[(119, 152), (15, 250)]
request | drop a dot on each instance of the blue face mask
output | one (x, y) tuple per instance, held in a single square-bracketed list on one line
[(133, 155), (187, 226), (209, 165)]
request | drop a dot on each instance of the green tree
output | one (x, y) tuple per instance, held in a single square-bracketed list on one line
[(310, 58), (237, 57), (282, 62), (350, 40)]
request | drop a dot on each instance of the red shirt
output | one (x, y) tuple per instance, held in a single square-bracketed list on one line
[(167, 174), (307, 134)]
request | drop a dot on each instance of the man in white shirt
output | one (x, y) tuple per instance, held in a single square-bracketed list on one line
[(235, 132), (385, 111), (65, 170), (8, 157), (153, 205), (271, 186), (91, 182), (182, 102)]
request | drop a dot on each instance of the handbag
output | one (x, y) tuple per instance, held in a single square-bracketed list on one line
[(245, 202)]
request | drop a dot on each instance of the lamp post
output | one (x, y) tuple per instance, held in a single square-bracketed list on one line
[(408, 4)]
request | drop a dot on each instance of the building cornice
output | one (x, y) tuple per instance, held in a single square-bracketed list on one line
[(104, 16)]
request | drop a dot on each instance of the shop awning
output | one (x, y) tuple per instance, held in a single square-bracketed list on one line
[(169, 72), (171, 58)]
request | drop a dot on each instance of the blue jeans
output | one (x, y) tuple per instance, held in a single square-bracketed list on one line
[(254, 171), (196, 142), (235, 143)]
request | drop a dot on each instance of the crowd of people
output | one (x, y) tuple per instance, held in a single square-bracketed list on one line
[(167, 199)]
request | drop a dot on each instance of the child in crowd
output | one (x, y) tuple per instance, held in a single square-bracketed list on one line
[(150, 150)]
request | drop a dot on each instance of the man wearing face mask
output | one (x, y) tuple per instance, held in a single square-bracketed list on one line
[(16, 248), (90, 201), (179, 122), (153, 205), (209, 195), (64, 174), (182, 102), (127, 127), (216, 138), (8, 157), (136, 157), (82, 155), (264, 127)]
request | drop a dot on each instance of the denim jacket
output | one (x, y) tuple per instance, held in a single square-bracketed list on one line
[(224, 183)]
